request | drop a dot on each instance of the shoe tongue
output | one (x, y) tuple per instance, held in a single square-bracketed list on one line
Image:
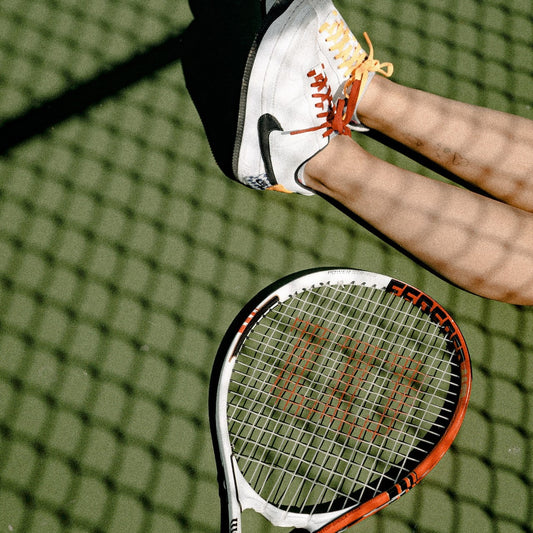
[(339, 93)]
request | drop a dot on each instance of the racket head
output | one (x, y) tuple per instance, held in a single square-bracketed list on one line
[(371, 424)]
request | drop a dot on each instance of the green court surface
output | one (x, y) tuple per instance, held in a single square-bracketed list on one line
[(125, 254)]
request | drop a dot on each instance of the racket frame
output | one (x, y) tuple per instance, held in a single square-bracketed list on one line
[(236, 494)]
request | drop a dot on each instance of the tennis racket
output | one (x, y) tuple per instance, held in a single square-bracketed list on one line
[(333, 393)]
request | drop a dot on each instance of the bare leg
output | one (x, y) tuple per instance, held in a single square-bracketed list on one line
[(480, 244), (490, 149)]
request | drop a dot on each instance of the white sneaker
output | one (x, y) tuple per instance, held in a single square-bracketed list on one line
[(286, 109)]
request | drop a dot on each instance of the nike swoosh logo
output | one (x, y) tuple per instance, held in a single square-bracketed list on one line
[(266, 125)]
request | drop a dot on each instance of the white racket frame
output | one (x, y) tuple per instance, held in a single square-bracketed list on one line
[(240, 494)]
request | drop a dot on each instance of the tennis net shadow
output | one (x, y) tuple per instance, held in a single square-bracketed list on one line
[(83, 96)]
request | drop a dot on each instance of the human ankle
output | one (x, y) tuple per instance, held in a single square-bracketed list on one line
[(317, 167), (322, 170), (373, 100)]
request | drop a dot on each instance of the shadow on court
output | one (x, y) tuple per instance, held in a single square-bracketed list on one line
[(79, 98), (215, 50)]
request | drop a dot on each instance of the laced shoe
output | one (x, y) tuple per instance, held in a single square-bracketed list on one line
[(286, 113), (349, 67)]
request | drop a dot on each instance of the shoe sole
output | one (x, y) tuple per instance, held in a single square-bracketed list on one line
[(279, 7)]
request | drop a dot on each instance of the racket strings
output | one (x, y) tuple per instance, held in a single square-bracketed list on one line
[(309, 403), (340, 429), (334, 406), (291, 435), (343, 374), (334, 453), (303, 491)]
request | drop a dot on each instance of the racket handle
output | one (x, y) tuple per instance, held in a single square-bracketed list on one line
[(235, 525), (230, 513), (227, 524)]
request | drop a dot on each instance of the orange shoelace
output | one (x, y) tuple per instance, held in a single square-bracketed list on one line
[(358, 79), (324, 104), (338, 115)]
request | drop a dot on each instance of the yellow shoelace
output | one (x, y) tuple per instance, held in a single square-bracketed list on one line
[(356, 64), (357, 80), (353, 60), (368, 64), (343, 43)]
